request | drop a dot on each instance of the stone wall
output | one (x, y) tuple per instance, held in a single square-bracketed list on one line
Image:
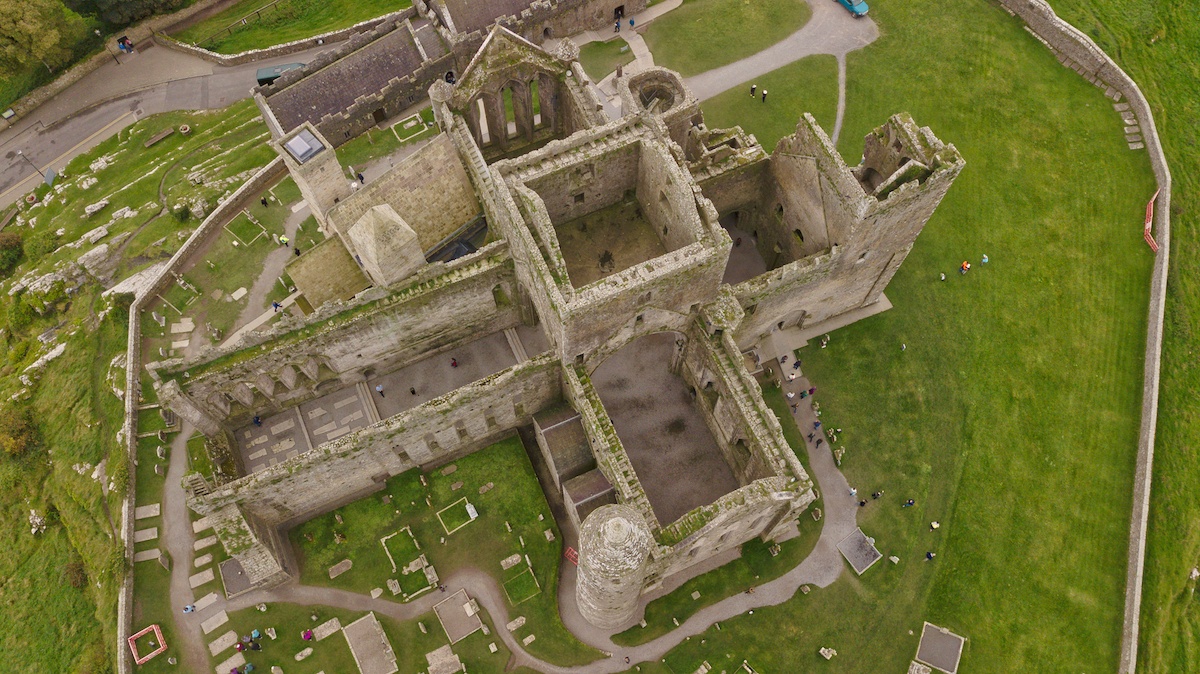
[(1079, 53), (275, 50), (451, 425)]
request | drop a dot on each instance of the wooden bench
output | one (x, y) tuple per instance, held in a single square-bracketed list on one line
[(159, 136)]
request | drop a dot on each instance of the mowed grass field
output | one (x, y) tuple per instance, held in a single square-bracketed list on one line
[(1012, 416), (1157, 45), (286, 21), (701, 35)]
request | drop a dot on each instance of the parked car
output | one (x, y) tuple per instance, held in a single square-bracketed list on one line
[(856, 7)]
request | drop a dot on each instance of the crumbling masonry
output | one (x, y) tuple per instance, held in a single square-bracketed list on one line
[(650, 229)]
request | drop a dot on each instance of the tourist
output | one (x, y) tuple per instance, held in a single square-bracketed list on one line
[(257, 422), (255, 646), (791, 394), (411, 389), (190, 608), (816, 424), (379, 390), (943, 276), (803, 395), (933, 526), (265, 202), (764, 96), (631, 24), (985, 258), (966, 266), (812, 390), (453, 362), (862, 503), (796, 365), (239, 647), (361, 179), (782, 360), (753, 88), (930, 555), (877, 494), (908, 504), (819, 441), (903, 347), (284, 240), (853, 491), (738, 241), (297, 249), (307, 635), (617, 26), (791, 376), (276, 306)]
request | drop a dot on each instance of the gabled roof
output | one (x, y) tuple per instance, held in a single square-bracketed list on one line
[(500, 52)]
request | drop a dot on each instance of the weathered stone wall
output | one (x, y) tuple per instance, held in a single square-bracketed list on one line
[(869, 235), (668, 204), (430, 190), (602, 181), (454, 424), (320, 177), (445, 305)]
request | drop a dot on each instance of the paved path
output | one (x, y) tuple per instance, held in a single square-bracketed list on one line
[(831, 30), (177, 537), (115, 96)]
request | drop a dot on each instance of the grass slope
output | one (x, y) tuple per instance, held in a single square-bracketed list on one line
[(701, 35), (287, 21), (1012, 417), (808, 85), (1157, 45)]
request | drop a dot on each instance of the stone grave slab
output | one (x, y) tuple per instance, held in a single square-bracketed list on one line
[(549, 533), (143, 535), (238, 294), (393, 586), (206, 601), (340, 568), (529, 639), (203, 560), (201, 578), (147, 555), (304, 654), (377, 593), (516, 623), (510, 561), (326, 628), (443, 661), (200, 525), (142, 512), (232, 663), (218, 619), (226, 640), (204, 543)]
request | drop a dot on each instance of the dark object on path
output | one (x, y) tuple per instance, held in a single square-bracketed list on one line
[(297, 251), (753, 88), (361, 179), (379, 390), (862, 503), (284, 240), (877, 494), (257, 422), (627, 659), (255, 646), (453, 362), (617, 26), (819, 441), (276, 306), (737, 242), (810, 437), (191, 608), (812, 390), (796, 365), (265, 202), (413, 390), (908, 504), (764, 96), (816, 425), (782, 360), (631, 24), (441, 588)]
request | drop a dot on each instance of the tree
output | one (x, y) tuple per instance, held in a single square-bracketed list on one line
[(37, 31), (16, 429), (123, 12)]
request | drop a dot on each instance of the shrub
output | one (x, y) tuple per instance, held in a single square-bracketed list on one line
[(10, 251), (16, 430)]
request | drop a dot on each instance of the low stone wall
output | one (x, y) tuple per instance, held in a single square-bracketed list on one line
[(1077, 51), (133, 365), (276, 50)]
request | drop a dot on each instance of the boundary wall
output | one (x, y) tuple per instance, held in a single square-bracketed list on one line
[(133, 364), (1079, 53)]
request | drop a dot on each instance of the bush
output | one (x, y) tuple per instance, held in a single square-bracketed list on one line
[(10, 251), (76, 574), (16, 430), (39, 244)]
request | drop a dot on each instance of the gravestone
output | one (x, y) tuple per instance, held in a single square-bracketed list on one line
[(340, 568)]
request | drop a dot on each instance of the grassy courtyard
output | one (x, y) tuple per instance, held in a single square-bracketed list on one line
[(1156, 45), (701, 35), (285, 21), (430, 510), (1012, 416), (601, 58)]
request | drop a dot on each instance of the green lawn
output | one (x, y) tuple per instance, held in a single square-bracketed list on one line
[(808, 85), (704, 34), (516, 501), (1156, 44), (601, 58), (286, 21), (376, 143), (1012, 416)]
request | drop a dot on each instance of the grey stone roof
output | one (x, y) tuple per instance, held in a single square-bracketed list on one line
[(430, 40), (335, 87), (472, 15)]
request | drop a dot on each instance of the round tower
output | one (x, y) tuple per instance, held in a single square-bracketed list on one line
[(614, 544)]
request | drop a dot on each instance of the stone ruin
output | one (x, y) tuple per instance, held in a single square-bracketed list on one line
[(717, 253)]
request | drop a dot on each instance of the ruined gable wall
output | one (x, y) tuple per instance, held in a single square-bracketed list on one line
[(666, 198), (603, 181), (430, 190), (454, 424)]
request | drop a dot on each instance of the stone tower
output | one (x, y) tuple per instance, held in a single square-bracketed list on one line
[(614, 544), (315, 168)]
